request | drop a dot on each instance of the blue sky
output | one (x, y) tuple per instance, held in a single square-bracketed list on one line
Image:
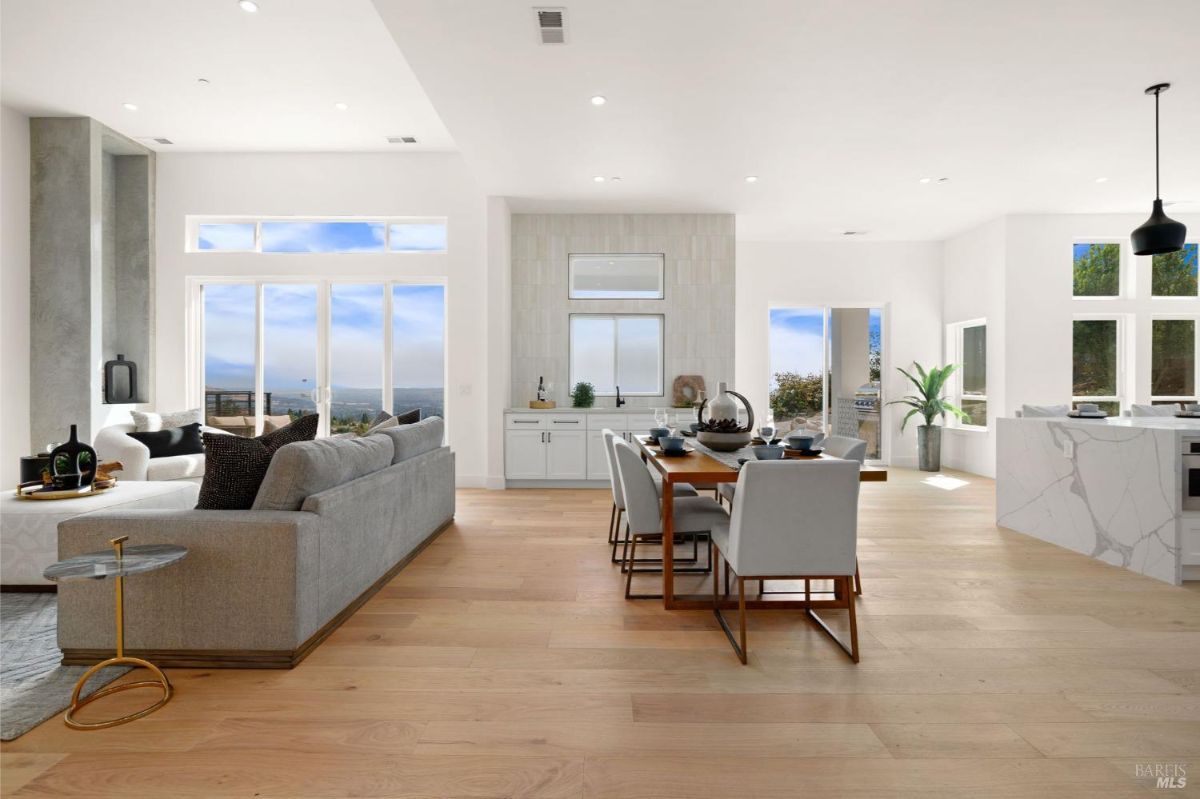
[(796, 339), (342, 237), (290, 335)]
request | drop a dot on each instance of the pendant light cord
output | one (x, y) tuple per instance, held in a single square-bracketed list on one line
[(1157, 192)]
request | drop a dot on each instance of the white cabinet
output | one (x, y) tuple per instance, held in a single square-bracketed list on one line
[(597, 461), (1190, 541), (566, 454), (525, 454)]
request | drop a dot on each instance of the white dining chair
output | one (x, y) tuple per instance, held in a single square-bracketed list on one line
[(693, 517), (846, 448), (794, 520), (1169, 409), (615, 527)]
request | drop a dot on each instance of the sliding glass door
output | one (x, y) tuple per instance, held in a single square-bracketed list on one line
[(825, 371), (270, 352)]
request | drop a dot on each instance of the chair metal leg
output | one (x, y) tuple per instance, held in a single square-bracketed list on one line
[(739, 643), (612, 524), (616, 538), (633, 541)]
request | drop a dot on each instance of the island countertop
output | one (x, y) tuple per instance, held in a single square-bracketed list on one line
[(1108, 488)]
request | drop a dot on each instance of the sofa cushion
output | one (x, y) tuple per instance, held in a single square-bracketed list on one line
[(411, 440), (235, 466), (272, 423), (180, 467), (383, 421), (149, 422), (172, 441), (300, 470)]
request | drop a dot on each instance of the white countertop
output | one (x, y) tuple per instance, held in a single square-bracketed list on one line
[(1142, 422)]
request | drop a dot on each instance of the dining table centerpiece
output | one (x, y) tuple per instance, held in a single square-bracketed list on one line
[(722, 431)]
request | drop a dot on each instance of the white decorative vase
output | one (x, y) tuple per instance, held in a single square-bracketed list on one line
[(722, 406)]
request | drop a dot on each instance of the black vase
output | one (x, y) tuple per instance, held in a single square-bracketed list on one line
[(74, 458), (120, 381)]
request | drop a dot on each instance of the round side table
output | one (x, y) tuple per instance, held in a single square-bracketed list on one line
[(118, 564)]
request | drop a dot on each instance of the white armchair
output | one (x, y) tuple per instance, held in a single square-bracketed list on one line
[(794, 520), (113, 444)]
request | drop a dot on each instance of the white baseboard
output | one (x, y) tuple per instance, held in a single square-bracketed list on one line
[(496, 483), (470, 481)]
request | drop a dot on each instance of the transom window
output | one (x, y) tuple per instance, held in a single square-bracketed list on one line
[(1174, 274), (615, 277), (1097, 269), (289, 235), (609, 350)]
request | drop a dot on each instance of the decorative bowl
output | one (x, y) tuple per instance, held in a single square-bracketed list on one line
[(768, 453), (724, 442), (801, 442), (659, 432), (671, 443)]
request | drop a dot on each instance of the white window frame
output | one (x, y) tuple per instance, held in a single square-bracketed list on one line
[(194, 323), (1123, 349), (1169, 297), (616, 317), (1195, 355), (954, 346), (1124, 273), (192, 225), (658, 256)]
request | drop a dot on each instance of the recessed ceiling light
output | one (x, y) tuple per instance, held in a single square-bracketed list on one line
[(1102, 180), (249, 6), (943, 180), (598, 179), (599, 99), (925, 180), (341, 106), (203, 81), (615, 178), (752, 178), (129, 106)]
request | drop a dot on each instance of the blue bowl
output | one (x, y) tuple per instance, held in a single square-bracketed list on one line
[(800, 442), (767, 452), (671, 443), (659, 432)]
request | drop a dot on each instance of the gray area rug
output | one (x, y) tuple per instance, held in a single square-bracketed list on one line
[(33, 686)]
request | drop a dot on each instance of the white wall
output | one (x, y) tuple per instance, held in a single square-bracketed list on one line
[(336, 184), (14, 293), (902, 278), (975, 285)]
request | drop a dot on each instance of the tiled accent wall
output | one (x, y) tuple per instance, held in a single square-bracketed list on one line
[(698, 307)]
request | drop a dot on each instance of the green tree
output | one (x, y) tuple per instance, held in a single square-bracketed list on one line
[(1097, 270), (1173, 274), (1173, 358), (797, 395)]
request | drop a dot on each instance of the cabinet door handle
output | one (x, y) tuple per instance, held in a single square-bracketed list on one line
[(548, 437), (557, 421), (525, 421)]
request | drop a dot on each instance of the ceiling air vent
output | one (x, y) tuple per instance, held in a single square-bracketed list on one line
[(402, 139), (552, 25)]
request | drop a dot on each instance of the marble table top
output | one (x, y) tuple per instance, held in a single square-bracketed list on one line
[(101, 565)]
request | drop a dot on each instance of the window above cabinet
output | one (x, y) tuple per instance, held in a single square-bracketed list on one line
[(615, 276)]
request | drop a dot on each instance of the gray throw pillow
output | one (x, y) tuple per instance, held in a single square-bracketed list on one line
[(383, 421), (149, 422)]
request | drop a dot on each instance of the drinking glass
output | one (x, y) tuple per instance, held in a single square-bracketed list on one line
[(660, 417), (767, 429)]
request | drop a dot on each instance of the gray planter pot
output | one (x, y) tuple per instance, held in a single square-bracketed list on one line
[(929, 448)]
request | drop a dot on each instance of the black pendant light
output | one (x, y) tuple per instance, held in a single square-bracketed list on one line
[(1158, 234)]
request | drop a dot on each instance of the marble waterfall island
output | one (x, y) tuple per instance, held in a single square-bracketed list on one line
[(1110, 489)]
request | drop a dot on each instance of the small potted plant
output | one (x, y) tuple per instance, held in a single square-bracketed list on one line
[(583, 395), (930, 403)]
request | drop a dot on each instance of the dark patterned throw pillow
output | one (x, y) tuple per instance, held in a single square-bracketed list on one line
[(234, 466), (172, 441)]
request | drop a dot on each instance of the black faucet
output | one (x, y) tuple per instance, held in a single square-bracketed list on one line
[(620, 401)]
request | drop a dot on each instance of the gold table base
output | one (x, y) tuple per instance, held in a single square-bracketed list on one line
[(160, 680)]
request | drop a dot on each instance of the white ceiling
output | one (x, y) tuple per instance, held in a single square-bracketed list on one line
[(275, 75), (838, 106)]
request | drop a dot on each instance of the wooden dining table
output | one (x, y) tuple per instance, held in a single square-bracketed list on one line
[(701, 466)]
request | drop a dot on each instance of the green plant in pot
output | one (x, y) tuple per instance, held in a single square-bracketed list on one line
[(583, 395), (930, 403)]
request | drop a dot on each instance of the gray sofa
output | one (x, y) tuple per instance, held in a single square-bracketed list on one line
[(334, 520)]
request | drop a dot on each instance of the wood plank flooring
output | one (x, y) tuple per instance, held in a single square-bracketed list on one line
[(504, 662)]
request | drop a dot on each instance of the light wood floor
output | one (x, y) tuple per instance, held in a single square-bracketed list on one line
[(503, 662)]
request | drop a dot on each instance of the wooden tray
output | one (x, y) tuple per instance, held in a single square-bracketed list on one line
[(36, 492)]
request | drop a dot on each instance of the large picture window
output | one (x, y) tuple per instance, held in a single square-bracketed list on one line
[(408, 235), (618, 350), (1173, 360), (1098, 362), (267, 352), (968, 345)]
